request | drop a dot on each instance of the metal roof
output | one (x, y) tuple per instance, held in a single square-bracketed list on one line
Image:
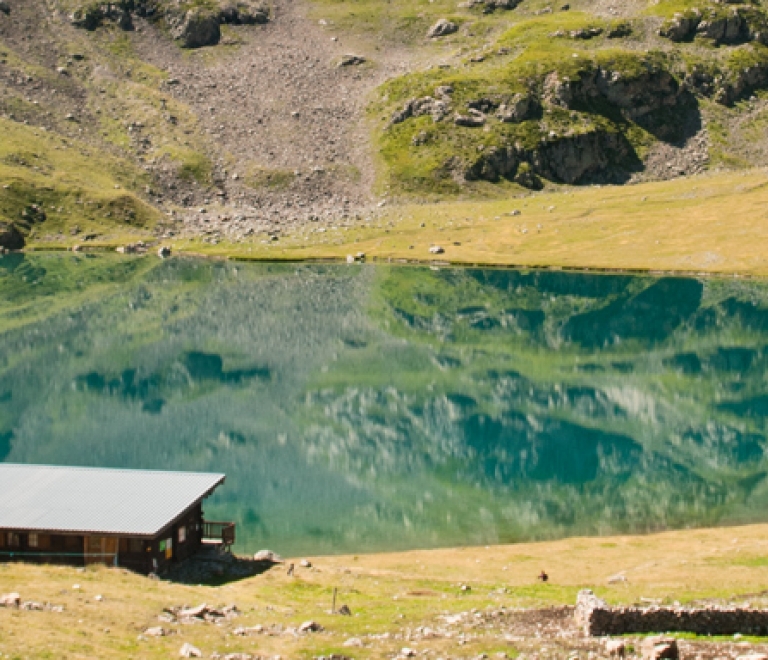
[(95, 500)]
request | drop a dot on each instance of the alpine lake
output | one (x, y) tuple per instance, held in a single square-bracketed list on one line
[(359, 408)]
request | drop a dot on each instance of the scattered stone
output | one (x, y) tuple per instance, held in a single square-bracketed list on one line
[(12, 599), (189, 651), (656, 648), (305, 563), (442, 28), (164, 252), (407, 653), (436, 249), (345, 611), (353, 642), (615, 648), (351, 60), (157, 631), (268, 556), (475, 119), (310, 627), (5, 8)]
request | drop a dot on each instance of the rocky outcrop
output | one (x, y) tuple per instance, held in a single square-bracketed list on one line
[(571, 159), (437, 108), (244, 13), (93, 16), (578, 158), (5, 7), (736, 25), (519, 108), (194, 28), (473, 119), (197, 28), (682, 27), (730, 29), (648, 95), (741, 84), (442, 28), (489, 6)]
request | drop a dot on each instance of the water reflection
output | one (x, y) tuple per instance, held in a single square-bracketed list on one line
[(361, 408)]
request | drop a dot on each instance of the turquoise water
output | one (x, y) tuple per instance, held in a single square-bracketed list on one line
[(362, 408)]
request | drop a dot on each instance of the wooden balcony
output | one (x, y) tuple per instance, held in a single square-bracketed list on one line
[(222, 533)]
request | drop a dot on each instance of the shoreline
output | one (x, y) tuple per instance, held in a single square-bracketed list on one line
[(712, 225)]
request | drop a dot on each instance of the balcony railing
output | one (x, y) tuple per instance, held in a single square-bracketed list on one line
[(219, 532)]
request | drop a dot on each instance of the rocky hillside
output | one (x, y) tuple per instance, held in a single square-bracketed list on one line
[(163, 118)]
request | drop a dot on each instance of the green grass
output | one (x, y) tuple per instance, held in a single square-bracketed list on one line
[(72, 184)]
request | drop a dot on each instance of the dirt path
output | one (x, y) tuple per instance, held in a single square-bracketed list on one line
[(286, 123)]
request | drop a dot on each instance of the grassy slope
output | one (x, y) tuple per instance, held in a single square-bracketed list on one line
[(74, 184), (387, 593), (705, 224)]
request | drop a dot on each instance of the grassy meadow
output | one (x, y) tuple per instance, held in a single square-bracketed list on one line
[(387, 593)]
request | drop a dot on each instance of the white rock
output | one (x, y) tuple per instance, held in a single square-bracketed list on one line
[(189, 651), (155, 632), (616, 648), (268, 555), (354, 642), (10, 600)]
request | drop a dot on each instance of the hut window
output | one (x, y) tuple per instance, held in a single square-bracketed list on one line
[(33, 541), (13, 540), (182, 534)]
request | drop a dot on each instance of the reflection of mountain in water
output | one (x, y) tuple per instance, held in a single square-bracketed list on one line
[(365, 408), (617, 404)]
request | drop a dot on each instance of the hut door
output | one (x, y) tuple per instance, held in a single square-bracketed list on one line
[(100, 550)]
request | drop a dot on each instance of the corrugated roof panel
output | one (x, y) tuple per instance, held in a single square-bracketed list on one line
[(95, 500)]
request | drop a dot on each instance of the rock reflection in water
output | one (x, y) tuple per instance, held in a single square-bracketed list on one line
[(363, 408)]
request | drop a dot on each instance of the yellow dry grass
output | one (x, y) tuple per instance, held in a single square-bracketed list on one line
[(386, 592), (715, 223)]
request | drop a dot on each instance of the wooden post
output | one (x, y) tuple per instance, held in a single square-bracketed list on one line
[(333, 609)]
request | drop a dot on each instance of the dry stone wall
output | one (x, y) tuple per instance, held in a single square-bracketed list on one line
[(597, 618)]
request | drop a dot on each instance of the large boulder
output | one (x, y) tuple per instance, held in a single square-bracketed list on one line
[(442, 28), (10, 236), (238, 12), (198, 28), (682, 27), (5, 8)]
